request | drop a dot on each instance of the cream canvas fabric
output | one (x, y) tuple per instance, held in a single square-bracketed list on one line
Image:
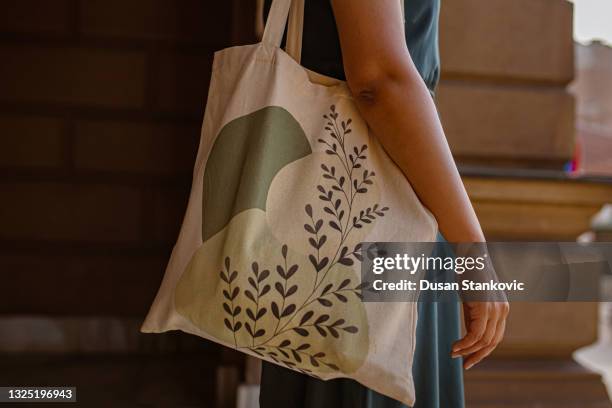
[(287, 182)]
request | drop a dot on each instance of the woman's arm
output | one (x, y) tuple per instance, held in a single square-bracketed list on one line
[(395, 102)]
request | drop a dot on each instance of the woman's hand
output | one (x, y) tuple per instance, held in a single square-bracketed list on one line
[(485, 323)]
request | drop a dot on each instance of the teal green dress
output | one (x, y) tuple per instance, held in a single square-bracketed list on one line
[(438, 378)]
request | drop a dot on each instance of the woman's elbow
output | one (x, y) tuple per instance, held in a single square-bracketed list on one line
[(370, 83)]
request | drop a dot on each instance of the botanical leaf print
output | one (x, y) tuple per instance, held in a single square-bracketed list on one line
[(272, 287)]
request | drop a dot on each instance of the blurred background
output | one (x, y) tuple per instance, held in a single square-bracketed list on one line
[(101, 103)]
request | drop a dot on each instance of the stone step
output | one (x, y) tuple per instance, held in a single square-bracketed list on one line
[(507, 124), (507, 40), (534, 383), (535, 206)]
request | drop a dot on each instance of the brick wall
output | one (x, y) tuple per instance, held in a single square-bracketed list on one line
[(100, 109)]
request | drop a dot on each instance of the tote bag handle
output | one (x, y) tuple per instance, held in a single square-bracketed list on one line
[(277, 19), (275, 26)]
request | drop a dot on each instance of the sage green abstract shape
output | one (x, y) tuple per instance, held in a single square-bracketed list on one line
[(245, 157)]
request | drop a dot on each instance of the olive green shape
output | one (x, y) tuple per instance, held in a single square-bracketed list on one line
[(246, 155)]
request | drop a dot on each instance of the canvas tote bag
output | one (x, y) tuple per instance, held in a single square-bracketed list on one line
[(288, 181)]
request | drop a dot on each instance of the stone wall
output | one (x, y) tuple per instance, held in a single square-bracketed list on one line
[(505, 68)]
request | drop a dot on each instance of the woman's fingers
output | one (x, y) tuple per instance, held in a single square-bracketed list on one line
[(484, 341), (501, 329), (492, 335), (477, 357), (485, 323), (494, 315), (476, 318)]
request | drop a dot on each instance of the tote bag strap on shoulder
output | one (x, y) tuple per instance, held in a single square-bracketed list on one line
[(277, 19), (275, 26)]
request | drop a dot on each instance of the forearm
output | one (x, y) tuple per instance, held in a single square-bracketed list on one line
[(397, 106), (403, 116)]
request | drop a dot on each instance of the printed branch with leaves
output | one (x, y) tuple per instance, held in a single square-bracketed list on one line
[(346, 179)]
